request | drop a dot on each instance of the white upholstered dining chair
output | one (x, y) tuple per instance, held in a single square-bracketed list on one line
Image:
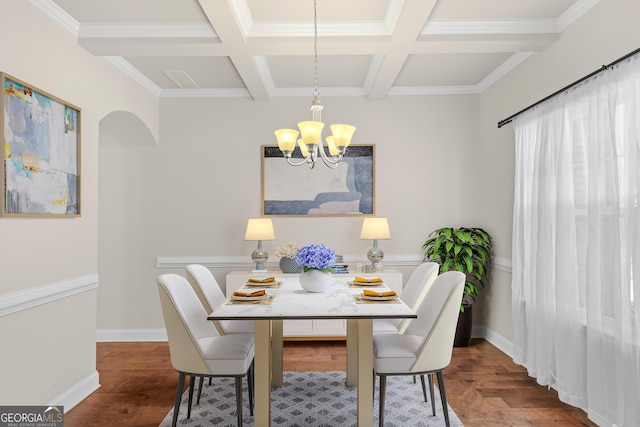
[(412, 294), (427, 344), (211, 296), (197, 349)]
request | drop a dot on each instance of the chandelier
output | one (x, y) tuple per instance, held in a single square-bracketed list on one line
[(310, 142)]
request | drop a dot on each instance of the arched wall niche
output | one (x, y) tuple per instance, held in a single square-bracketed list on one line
[(125, 129)]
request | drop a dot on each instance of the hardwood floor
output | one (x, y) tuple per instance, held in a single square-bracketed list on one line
[(484, 386)]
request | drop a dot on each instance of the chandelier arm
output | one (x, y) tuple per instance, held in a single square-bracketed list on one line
[(302, 162), (329, 160)]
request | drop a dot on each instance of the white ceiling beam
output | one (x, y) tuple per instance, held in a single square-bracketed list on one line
[(410, 22), (226, 25)]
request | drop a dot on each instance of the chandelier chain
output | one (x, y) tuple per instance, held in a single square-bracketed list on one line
[(311, 142), (315, 48)]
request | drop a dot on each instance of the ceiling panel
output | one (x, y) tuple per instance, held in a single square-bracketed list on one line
[(328, 10), (441, 69), (333, 71), (133, 11), (500, 9), (264, 49), (206, 72)]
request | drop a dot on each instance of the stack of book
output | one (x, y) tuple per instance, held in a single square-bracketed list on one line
[(341, 268)]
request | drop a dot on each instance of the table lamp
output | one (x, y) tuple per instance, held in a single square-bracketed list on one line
[(259, 229), (375, 229)]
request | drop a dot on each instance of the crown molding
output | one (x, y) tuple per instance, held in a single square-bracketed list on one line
[(531, 26), (120, 63), (572, 14), (53, 11), (502, 70), (434, 90), (204, 93)]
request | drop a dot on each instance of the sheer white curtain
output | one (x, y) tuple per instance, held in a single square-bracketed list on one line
[(576, 244)]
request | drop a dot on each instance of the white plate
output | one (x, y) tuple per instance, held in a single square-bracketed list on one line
[(379, 298), (265, 284), (259, 298), (354, 283)]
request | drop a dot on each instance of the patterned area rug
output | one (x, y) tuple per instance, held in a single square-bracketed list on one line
[(314, 399)]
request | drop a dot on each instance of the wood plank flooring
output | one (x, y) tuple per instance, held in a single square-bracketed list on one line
[(484, 386)]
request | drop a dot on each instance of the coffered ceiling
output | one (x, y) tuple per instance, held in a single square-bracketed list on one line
[(264, 48)]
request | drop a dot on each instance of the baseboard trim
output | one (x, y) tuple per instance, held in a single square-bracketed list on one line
[(131, 335), (152, 335), (78, 392), (32, 297), (497, 340)]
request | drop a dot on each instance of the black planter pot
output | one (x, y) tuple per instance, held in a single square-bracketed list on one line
[(463, 331)]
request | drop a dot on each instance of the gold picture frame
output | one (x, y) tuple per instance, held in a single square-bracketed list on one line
[(41, 152), (349, 189)]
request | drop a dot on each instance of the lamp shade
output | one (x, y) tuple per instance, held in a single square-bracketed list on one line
[(342, 134), (287, 139), (303, 148), (311, 132), (375, 228), (259, 229), (333, 150)]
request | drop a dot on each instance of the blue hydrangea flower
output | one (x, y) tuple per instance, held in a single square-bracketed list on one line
[(316, 257)]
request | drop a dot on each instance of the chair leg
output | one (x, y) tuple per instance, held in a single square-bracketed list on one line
[(200, 390), (373, 389), (192, 380), (433, 398), (250, 388), (176, 407), (424, 387), (239, 400), (443, 397), (383, 390)]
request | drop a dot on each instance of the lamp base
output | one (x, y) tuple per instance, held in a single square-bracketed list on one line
[(375, 267)]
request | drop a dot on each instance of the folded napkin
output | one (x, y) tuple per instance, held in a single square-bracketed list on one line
[(370, 293), (365, 280), (267, 280), (259, 293)]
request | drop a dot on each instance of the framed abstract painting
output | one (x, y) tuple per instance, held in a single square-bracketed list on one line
[(347, 189), (41, 153)]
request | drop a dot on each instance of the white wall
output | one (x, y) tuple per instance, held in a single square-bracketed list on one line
[(607, 32), (48, 267), (191, 196)]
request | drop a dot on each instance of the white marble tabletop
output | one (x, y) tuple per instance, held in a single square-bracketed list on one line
[(290, 301)]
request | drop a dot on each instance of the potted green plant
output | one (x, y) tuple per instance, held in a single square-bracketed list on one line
[(467, 250)]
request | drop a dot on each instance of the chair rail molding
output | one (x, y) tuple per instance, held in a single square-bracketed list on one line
[(32, 297), (243, 262), (503, 264)]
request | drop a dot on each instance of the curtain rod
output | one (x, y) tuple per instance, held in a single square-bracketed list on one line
[(604, 67)]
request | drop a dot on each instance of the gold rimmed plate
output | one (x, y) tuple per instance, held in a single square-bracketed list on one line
[(263, 285), (355, 283), (240, 298), (382, 298)]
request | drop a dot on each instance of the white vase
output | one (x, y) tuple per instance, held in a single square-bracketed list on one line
[(315, 281)]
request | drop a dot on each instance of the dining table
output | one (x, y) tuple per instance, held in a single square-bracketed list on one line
[(284, 299)]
